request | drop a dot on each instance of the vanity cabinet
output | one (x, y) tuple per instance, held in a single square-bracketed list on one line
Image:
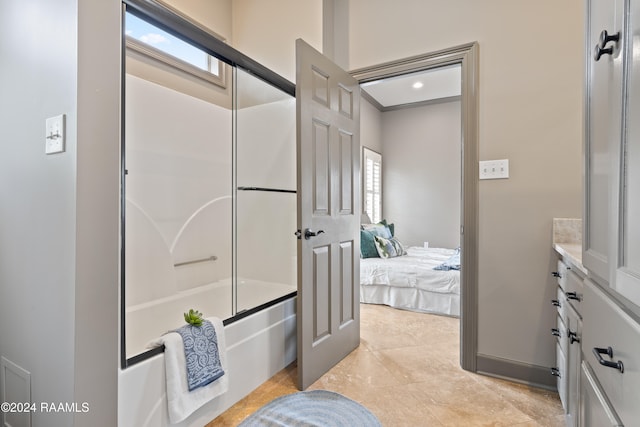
[(611, 347), (595, 408), (609, 392), (568, 333)]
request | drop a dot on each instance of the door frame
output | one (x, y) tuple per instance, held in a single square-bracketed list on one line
[(467, 57)]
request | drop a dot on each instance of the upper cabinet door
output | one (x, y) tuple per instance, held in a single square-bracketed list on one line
[(627, 273), (602, 134)]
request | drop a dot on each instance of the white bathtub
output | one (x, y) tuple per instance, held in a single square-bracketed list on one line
[(258, 346), (149, 320)]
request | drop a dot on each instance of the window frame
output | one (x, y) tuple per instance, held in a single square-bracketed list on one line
[(134, 45), (376, 158)]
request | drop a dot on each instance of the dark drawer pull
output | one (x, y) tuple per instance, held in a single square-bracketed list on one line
[(556, 274), (573, 337), (556, 303), (574, 295), (555, 332), (598, 352), (555, 372)]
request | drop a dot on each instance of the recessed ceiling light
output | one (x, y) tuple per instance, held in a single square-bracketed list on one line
[(417, 85)]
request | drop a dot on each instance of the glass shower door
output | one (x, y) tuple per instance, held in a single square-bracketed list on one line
[(265, 136), (178, 210)]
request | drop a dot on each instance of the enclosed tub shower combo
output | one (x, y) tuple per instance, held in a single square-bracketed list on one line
[(208, 211)]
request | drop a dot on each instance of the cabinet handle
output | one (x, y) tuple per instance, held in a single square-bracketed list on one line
[(556, 303), (573, 337), (605, 38), (555, 372), (574, 295), (598, 352), (555, 332), (556, 274), (601, 47)]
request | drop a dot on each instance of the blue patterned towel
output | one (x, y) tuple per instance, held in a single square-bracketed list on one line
[(453, 263), (201, 353)]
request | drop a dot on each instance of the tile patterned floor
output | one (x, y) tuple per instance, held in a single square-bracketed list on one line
[(406, 371)]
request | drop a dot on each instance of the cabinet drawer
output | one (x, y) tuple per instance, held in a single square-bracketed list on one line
[(596, 411), (606, 325), (560, 303), (561, 375), (562, 272), (574, 290), (561, 334)]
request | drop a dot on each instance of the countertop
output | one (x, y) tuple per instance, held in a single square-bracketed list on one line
[(572, 252)]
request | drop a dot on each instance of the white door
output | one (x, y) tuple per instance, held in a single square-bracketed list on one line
[(328, 148)]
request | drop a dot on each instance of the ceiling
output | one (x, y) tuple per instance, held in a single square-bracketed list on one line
[(442, 82)]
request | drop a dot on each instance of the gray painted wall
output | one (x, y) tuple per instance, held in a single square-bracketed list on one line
[(37, 196), (529, 112), (58, 213), (421, 173), (370, 126)]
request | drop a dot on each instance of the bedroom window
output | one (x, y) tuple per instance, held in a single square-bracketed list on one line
[(156, 44), (372, 180)]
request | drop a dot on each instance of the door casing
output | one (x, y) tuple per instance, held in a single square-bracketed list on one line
[(467, 56)]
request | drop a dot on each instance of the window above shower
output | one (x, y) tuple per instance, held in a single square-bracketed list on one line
[(153, 42)]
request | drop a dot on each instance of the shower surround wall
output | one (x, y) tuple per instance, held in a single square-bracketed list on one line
[(265, 135), (182, 192), (178, 203)]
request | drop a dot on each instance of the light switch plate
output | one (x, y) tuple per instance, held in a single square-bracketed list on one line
[(54, 136), (494, 169)]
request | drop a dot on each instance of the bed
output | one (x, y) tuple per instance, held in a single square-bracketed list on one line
[(418, 279)]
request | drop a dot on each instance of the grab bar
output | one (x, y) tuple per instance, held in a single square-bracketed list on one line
[(274, 190), (195, 261)]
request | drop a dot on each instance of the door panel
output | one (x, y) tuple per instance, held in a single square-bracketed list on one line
[(346, 173), (321, 205), (346, 283), (604, 117), (321, 293), (328, 150)]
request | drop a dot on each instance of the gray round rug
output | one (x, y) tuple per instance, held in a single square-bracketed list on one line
[(316, 408)]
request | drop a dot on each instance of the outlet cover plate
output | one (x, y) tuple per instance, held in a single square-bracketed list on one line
[(494, 169)]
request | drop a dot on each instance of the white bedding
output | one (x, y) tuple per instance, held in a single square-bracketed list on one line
[(410, 282)]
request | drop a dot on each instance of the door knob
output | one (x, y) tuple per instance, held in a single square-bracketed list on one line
[(308, 233)]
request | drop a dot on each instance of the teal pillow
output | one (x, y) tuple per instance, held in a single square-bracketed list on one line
[(378, 229), (367, 245)]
